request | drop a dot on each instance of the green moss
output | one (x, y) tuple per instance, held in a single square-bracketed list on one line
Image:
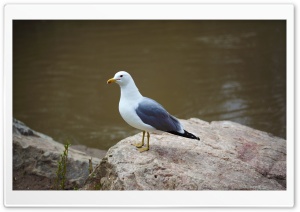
[(98, 186)]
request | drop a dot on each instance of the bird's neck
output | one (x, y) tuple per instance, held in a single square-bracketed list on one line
[(130, 92)]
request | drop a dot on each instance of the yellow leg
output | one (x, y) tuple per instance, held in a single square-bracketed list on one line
[(147, 147), (139, 145)]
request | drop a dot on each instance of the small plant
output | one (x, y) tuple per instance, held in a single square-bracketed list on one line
[(90, 166), (60, 181), (98, 186)]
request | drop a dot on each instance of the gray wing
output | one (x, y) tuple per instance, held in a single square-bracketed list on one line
[(152, 113)]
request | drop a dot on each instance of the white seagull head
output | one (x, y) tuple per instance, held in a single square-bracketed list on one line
[(122, 78)]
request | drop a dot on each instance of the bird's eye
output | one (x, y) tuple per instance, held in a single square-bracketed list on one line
[(121, 75)]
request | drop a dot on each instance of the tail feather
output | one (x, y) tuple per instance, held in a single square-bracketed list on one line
[(185, 134)]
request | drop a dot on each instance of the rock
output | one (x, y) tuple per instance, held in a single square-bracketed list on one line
[(92, 152), (229, 156), (35, 161)]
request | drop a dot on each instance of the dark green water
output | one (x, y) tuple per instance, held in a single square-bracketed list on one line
[(212, 70)]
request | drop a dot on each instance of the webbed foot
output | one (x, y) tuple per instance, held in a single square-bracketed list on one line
[(144, 149), (147, 147), (138, 145)]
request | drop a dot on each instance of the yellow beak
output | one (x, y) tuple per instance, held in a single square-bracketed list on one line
[(111, 80)]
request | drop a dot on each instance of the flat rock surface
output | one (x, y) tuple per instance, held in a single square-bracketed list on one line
[(229, 156)]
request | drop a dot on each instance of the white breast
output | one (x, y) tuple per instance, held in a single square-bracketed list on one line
[(127, 111)]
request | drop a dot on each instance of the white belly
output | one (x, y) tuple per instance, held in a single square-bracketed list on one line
[(129, 115)]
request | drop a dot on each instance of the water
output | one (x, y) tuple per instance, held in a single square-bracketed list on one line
[(212, 70)]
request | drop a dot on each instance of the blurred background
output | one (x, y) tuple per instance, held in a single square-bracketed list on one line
[(212, 70)]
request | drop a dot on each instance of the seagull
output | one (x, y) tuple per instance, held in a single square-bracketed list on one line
[(144, 113)]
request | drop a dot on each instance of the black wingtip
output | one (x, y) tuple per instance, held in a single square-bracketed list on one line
[(186, 134)]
